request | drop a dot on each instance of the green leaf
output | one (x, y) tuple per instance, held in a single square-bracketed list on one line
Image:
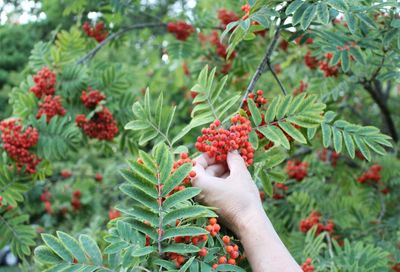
[(44, 255), (230, 268), (271, 110), (183, 231), (180, 196), (140, 196), (137, 125), (181, 248), (293, 132), (72, 245), (283, 107), (345, 60), (326, 135), (351, 22), (323, 13), (363, 148), (91, 249), (255, 113), (308, 16), (266, 183), (143, 251), (187, 264), (253, 138), (348, 141), (55, 244), (295, 5), (337, 139), (176, 178), (187, 212), (356, 53)]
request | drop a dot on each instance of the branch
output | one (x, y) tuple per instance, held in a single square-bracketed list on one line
[(115, 35), (265, 62), (387, 116)]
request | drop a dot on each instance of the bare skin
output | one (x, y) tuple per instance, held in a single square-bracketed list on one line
[(231, 189)]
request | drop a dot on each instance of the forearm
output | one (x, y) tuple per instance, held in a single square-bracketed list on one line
[(263, 247)]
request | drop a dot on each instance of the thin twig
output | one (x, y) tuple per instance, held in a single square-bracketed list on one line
[(115, 35), (265, 62)]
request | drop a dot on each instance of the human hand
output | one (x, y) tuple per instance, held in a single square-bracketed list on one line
[(229, 187)]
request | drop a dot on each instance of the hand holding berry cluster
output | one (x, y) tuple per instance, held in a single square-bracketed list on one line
[(97, 32), (314, 220), (180, 29), (17, 143), (297, 169), (217, 141)]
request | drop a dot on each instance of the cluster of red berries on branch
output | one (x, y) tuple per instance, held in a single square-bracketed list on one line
[(246, 9), (329, 71), (332, 156), (187, 181), (258, 98), (217, 141), (102, 125), (221, 51), (307, 41), (303, 86), (296, 169), (314, 220), (17, 142), (76, 200), (232, 252), (98, 32), (279, 190), (226, 17), (45, 198), (396, 267), (180, 29), (50, 106), (372, 174), (113, 213), (45, 82), (307, 266), (65, 173), (310, 61)]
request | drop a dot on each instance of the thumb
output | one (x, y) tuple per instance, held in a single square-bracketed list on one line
[(236, 164)]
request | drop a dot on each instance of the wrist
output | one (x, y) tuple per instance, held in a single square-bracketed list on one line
[(253, 219)]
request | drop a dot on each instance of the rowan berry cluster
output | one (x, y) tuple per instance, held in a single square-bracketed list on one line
[(303, 86), (226, 17), (284, 44), (232, 252), (333, 156), (113, 213), (76, 200), (396, 267), (314, 220), (50, 106), (310, 61), (45, 82), (65, 173), (246, 9), (213, 227), (45, 198), (297, 169), (279, 190), (307, 266), (308, 41), (102, 125), (217, 141), (372, 174), (17, 143), (98, 32), (258, 99), (92, 98), (180, 29), (221, 49)]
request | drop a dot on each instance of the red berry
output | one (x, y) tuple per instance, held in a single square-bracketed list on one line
[(203, 252), (222, 260)]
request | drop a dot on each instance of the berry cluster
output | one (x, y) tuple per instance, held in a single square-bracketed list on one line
[(102, 125), (297, 169), (45, 82), (92, 98), (314, 220), (310, 61), (308, 41), (334, 156), (372, 174), (226, 17), (221, 49), (113, 213), (213, 227), (98, 177), (307, 266), (258, 99), (217, 141), (279, 190), (76, 200), (65, 173), (232, 253), (180, 29), (45, 198), (98, 32), (50, 106), (284, 45), (17, 143), (246, 9), (303, 86)]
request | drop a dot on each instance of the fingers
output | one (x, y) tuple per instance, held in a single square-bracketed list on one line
[(216, 170), (236, 164), (204, 160)]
